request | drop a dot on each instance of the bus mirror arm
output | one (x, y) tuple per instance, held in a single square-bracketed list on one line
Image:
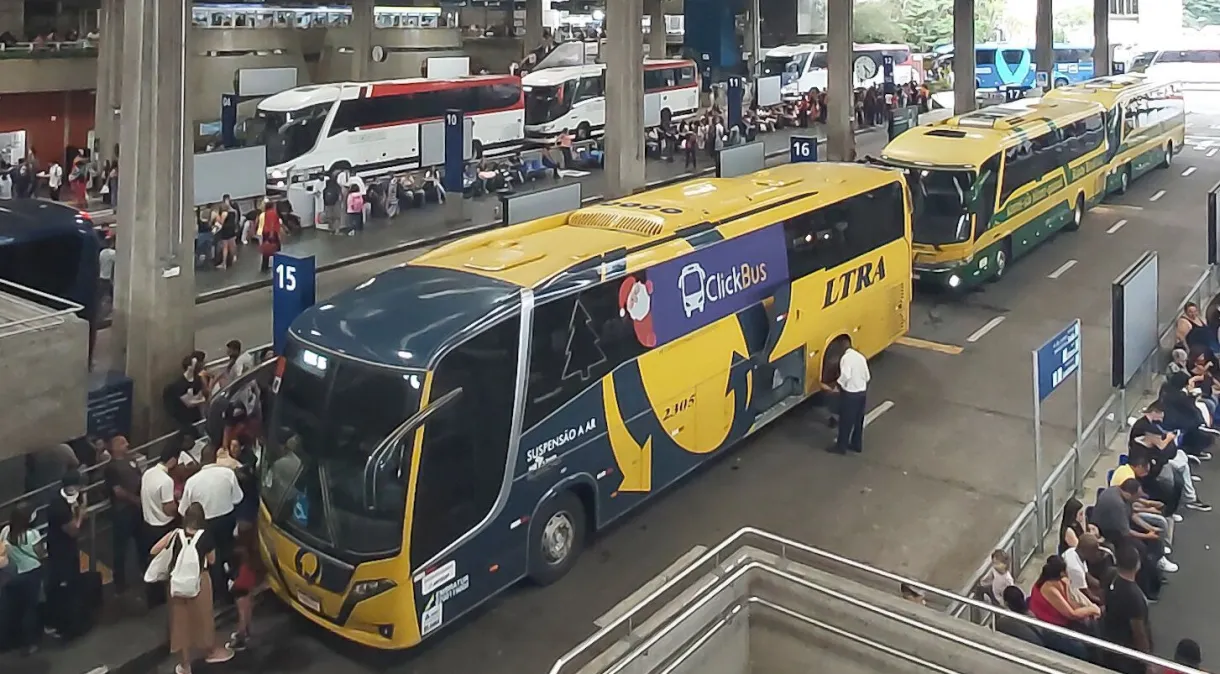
[(971, 205), (378, 455)]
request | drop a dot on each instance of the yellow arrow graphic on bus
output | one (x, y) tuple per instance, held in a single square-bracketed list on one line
[(634, 461)]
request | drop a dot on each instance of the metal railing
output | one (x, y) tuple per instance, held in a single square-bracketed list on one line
[(49, 310), (1023, 540), (92, 482), (727, 563)]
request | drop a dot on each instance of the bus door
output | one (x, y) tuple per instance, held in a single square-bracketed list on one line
[(1114, 131)]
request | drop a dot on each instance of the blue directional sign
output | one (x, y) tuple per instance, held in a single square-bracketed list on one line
[(1058, 359), (293, 290), (228, 120), (802, 149), (455, 150), (735, 92)]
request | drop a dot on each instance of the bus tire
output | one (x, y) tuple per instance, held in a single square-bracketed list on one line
[(557, 536), (1168, 160), (339, 167), (830, 359), (1124, 179), (476, 149), (1002, 257), (1060, 82), (583, 132), (1077, 214)]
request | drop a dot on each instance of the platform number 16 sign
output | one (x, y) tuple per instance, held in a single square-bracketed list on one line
[(803, 149)]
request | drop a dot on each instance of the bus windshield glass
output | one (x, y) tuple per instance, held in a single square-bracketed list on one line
[(545, 104), (322, 481), (789, 68), (289, 134), (940, 205)]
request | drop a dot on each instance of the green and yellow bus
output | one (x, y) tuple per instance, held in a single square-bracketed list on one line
[(1145, 122), (990, 185), (464, 421)]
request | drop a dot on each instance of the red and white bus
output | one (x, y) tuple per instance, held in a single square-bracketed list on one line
[(373, 128), (573, 97)]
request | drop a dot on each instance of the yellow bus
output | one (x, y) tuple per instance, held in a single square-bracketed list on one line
[(464, 421), (1145, 122), (990, 185)]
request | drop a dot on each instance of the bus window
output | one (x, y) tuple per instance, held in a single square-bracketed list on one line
[(659, 78), (986, 203), (547, 104), (289, 135), (577, 341), (465, 444), (984, 57), (589, 87), (834, 234), (940, 205), (1026, 163)]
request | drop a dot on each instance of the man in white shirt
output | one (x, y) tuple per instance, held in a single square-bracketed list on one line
[(215, 488), (55, 179), (159, 509), (852, 386)]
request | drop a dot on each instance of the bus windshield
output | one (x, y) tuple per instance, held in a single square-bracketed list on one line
[(545, 104), (289, 134), (330, 415), (789, 68), (939, 198)]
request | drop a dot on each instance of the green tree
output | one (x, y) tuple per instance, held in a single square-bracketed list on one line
[(927, 24), (875, 21), (1200, 13), (1071, 20)]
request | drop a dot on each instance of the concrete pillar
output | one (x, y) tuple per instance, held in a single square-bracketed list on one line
[(533, 25), (154, 296), (753, 37), (109, 78), (1102, 64), (1044, 40), (656, 29), (624, 98), (362, 38), (963, 57), (840, 140)]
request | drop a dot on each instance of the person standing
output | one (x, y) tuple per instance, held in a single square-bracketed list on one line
[(55, 179), (159, 507), (268, 235), (1125, 622), (22, 545), (852, 386), (216, 489), (105, 267), (123, 483), (184, 398), (65, 517)]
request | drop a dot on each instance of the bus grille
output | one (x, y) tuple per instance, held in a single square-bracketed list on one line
[(639, 225)]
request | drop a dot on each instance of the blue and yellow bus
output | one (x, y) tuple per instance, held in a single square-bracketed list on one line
[(1001, 66), (464, 421)]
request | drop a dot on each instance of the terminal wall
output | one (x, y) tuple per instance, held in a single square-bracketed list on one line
[(62, 73), (45, 371)]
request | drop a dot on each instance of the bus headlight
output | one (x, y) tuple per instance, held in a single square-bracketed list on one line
[(954, 280), (370, 588), (277, 174)]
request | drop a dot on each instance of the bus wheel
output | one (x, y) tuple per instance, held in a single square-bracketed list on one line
[(1168, 160), (582, 131), (1001, 259), (1077, 214), (1124, 179), (667, 116), (1060, 82), (557, 536), (476, 149)]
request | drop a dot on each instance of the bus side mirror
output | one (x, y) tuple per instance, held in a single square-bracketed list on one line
[(975, 195)]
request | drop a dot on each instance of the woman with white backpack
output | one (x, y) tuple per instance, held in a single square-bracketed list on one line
[(182, 558)]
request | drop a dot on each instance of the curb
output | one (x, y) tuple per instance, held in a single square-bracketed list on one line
[(242, 288)]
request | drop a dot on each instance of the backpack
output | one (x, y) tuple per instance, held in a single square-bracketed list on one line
[(184, 579)]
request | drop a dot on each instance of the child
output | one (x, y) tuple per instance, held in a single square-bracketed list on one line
[(998, 578), (250, 573)]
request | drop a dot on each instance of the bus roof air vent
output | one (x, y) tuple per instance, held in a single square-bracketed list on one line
[(945, 133), (604, 218), (501, 256), (776, 182)]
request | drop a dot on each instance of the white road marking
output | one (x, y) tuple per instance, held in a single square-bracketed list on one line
[(1116, 226), (1157, 196), (648, 588), (1060, 271), (978, 334), (1188, 171), (878, 411), (1211, 152)]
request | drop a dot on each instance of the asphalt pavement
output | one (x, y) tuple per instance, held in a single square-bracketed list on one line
[(948, 457)]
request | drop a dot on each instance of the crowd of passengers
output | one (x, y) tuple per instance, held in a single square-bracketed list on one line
[(1114, 556), (182, 528)]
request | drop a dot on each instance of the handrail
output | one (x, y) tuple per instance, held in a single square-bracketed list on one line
[(139, 450), (23, 295), (733, 541)]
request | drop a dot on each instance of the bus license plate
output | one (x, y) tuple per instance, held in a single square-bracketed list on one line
[(309, 602)]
